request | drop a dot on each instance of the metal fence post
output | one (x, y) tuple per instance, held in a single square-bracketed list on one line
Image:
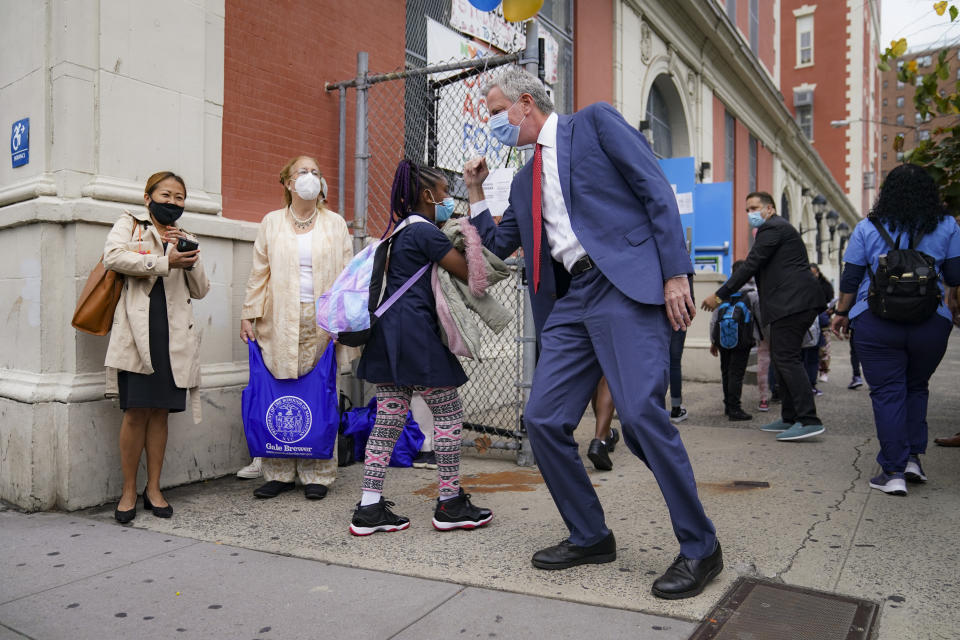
[(361, 157), (342, 156), (361, 161), (525, 457)]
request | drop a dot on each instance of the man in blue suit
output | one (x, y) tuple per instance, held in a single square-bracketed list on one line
[(608, 273)]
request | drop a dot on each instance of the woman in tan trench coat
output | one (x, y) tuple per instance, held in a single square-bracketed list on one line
[(298, 253), (152, 358)]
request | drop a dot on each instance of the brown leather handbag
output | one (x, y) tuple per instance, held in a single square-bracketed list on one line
[(99, 298), (98, 301)]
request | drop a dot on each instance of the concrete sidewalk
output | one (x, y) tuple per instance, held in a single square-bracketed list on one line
[(68, 576), (291, 565)]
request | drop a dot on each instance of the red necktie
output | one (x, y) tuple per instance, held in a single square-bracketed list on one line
[(537, 218)]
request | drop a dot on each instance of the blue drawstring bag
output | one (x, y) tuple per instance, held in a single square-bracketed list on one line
[(359, 423), (291, 418)]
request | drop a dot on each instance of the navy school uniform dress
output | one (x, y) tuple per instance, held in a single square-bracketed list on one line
[(405, 346)]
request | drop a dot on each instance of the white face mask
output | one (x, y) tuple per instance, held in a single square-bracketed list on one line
[(308, 186)]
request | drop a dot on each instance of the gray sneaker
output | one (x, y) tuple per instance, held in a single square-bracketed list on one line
[(800, 432), (776, 426), (914, 472)]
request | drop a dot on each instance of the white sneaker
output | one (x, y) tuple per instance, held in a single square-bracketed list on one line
[(252, 470), (823, 377)]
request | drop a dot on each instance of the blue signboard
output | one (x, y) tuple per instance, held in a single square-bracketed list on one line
[(20, 142), (713, 249), (681, 173)]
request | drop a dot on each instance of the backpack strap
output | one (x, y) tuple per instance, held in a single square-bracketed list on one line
[(883, 232)]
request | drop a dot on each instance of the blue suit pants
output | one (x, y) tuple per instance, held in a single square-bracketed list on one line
[(595, 330), (897, 361)]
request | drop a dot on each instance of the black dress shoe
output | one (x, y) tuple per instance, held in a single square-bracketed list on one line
[(123, 517), (566, 554), (612, 440), (597, 452), (315, 491), (687, 577), (160, 512), (738, 414), (273, 488)]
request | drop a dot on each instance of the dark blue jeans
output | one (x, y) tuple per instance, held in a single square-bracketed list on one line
[(898, 360), (677, 338)]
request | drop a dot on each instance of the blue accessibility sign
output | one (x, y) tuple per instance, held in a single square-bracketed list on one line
[(20, 142)]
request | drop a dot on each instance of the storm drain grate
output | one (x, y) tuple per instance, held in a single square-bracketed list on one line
[(757, 610)]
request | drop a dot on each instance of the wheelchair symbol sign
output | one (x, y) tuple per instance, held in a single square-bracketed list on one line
[(20, 142)]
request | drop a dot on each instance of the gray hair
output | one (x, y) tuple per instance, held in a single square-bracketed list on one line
[(514, 82)]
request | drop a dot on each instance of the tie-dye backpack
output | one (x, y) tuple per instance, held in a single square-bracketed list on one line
[(355, 301)]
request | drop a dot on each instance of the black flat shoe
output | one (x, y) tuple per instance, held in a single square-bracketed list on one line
[(315, 491), (273, 488), (123, 517), (687, 577), (597, 452), (566, 554), (612, 440), (160, 512)]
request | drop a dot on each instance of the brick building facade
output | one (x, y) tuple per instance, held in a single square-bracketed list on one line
[(898, 111)]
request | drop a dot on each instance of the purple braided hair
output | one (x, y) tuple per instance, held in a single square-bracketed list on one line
[(408, 180)]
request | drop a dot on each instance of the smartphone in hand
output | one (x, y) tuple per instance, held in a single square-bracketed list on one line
[(184, 245)]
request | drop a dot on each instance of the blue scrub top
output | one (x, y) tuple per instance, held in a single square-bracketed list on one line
[(866, 243)]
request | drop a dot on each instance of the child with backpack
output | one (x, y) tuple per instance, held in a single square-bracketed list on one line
[(734, 329), (405, 354)]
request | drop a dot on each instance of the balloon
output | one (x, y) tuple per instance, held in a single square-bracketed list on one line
[(520, 10), (485, 5)]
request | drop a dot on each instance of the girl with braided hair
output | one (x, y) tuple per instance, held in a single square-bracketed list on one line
[(405, 355)]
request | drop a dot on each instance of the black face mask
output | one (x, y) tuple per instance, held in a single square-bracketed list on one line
[(166, 213)]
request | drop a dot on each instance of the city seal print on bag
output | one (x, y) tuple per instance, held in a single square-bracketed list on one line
[(295, 418)]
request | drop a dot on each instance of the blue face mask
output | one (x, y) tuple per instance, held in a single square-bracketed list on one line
[(502, 130), (443, 210), (755, 218)]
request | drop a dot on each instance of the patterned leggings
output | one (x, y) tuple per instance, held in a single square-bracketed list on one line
[(393, 402)]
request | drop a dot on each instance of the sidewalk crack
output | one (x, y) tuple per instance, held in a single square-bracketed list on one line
[(830, 510)]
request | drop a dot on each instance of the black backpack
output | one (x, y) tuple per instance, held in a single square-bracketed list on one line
[(734, 327), (905, 287)]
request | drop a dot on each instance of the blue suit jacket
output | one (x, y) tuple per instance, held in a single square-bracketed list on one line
[(621, 208)]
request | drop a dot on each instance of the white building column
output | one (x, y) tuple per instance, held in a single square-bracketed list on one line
[(115, 90)]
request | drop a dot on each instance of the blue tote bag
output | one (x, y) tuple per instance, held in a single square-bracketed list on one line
[(291, 418), (359, 423)]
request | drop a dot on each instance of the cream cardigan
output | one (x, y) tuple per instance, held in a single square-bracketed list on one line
[(273, 289)]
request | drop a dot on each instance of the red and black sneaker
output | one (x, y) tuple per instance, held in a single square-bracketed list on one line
[(376, 517), (459, 513)]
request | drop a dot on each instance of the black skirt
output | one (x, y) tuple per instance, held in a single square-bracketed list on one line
[(156, 390)]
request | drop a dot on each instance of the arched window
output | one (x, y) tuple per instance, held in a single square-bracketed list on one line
[(667, 119), (659, 117), (785, 207)]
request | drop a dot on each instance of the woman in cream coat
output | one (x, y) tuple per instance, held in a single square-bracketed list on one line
[(298, 253), (152, 358)]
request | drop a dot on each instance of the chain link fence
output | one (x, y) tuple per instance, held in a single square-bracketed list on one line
[(436, 115)]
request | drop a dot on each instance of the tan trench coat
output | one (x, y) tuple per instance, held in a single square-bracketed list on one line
[(273, 288), (135, 249)]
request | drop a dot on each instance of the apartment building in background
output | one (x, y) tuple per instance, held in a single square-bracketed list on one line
[(898, 112), (828, 59)]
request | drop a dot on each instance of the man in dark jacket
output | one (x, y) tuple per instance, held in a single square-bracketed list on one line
[(790, 299)]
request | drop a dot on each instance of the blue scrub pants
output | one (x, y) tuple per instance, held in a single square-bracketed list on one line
[(897, 361)]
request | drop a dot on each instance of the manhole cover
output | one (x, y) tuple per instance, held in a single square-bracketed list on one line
[(757, 610)]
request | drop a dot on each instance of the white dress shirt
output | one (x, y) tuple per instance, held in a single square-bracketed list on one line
[(564, 245)]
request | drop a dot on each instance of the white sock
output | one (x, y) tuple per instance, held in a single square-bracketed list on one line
[(369, 497), (445, 498)]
